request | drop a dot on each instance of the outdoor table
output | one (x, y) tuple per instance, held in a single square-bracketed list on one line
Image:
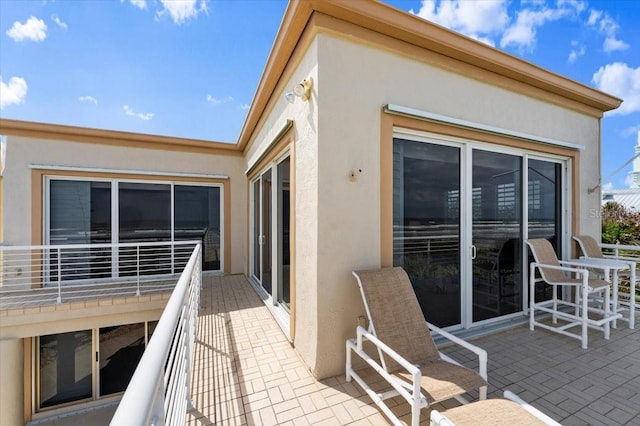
[(615, 265)]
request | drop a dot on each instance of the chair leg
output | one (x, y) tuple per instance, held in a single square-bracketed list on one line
[(607, 310), (584, 315), (348, 363), (415, 412)]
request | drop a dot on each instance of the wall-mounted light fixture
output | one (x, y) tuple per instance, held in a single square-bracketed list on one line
[(301, 90)]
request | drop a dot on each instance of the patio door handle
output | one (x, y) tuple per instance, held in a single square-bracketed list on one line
[(473, 252)]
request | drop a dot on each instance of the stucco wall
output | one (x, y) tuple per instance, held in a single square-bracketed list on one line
[(305, 118), (356, 81), (11, 389), (24, 151)]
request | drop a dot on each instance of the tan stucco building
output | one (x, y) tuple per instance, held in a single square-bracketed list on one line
[(416, 147)]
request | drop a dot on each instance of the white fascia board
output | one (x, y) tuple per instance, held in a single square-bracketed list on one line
[(430, 116), (125, 171)]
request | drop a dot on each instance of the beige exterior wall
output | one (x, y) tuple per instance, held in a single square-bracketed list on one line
[(305, 118), (21, 152), (11, 390), (356, 81)]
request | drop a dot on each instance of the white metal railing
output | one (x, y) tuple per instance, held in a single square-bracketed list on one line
[(53, 273), (159, 391)]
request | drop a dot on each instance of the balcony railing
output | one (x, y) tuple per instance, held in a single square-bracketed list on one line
[(56, 273), (159, 391)]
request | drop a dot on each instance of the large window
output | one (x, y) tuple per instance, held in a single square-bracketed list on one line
[(113, 211), (66, 369)]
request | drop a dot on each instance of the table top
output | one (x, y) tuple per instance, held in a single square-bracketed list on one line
[(602, 262)]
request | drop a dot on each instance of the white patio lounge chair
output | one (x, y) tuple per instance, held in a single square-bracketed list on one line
[(575, 314), (624, 296), (510, 410), (407, 356)]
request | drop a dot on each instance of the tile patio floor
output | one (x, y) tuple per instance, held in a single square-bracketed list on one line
[(246, 372)]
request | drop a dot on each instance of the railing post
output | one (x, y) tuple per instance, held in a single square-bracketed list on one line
[(59, 276), (138, 270)]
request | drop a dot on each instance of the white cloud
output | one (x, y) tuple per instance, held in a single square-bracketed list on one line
[(522, 34), (594, 16), (576, 52), (13, 93), (245, 106), (612, 44), (609, 27), (59, 22), (183, 10), (89, 99), (633, 130), (142, 4), (621, 81), (476, 19), (607, 186), (33, 29), (219, 101), (142, 116)]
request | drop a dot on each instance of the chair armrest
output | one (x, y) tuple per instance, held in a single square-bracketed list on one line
[(482, 354), (573, 269), (362, 334)]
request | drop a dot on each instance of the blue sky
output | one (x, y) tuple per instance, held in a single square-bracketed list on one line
[(190, 68)]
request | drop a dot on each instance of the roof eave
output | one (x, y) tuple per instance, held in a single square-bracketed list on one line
[(390, 21)]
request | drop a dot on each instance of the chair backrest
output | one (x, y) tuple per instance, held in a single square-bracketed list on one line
[(589, 246), (544, 254), (394, 312)]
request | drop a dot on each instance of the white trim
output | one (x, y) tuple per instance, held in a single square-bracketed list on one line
[(125, 171), (411, 112)]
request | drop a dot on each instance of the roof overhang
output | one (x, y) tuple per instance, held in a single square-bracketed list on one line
[(397, 24)]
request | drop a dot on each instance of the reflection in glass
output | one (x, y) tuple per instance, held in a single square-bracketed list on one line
[(197, 217), (80, 213), (544, 209), (426, 225), (266, 231), (497, 227), (144, 216), (283, 232), (65, 367), (121, 348)]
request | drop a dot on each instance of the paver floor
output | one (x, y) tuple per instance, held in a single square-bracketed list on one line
[(246, 372)]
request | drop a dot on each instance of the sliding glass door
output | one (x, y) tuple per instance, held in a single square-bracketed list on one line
[(112, 211), (270, 218), (460, 214)]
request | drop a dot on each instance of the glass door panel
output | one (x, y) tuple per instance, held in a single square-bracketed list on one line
[(426, 225), (121, 348), (265, 240), (65, 372), (544, 207), (496, 231), (80, 213), (197, 217), (283, 233), (256, 230), (144, 215)]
